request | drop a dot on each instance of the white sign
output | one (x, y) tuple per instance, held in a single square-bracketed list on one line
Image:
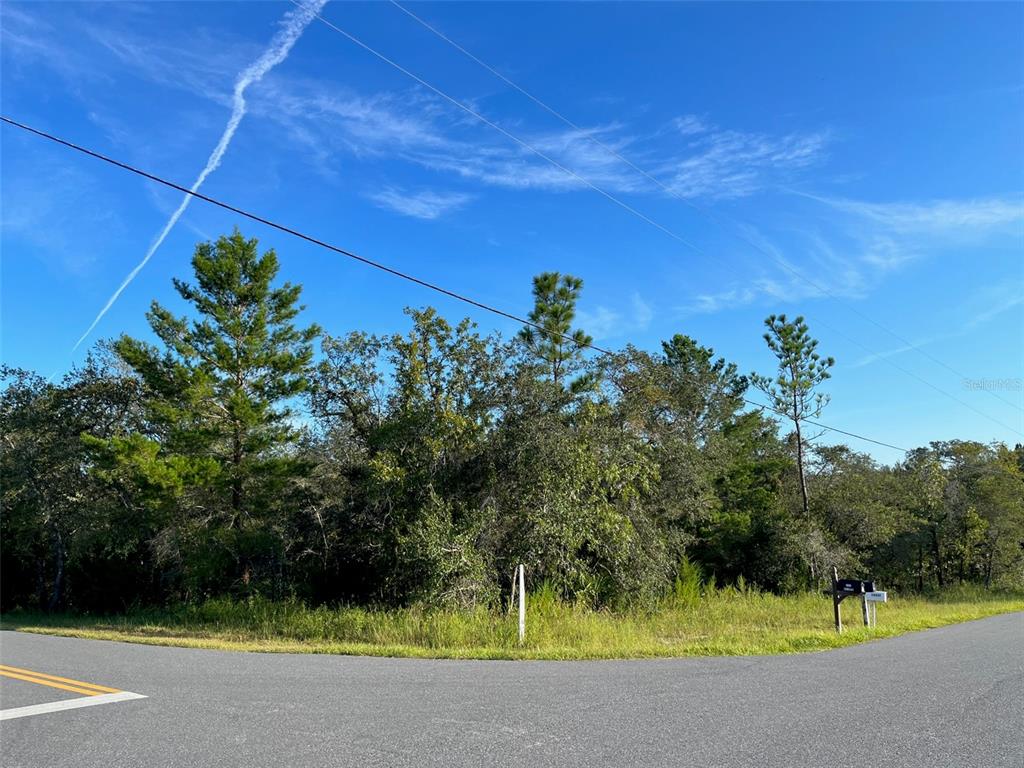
[(876, 597)]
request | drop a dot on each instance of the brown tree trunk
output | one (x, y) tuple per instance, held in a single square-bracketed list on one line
[(57, 593), (937, 554), (800, 468), (236, 481), (920, 568)]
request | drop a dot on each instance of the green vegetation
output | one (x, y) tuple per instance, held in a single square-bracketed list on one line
[(232, 478), (801, 369), (722, 622)]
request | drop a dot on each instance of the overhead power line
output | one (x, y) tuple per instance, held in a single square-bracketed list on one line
[(590, 135), (686, 201), (622, 204), (370, 262)]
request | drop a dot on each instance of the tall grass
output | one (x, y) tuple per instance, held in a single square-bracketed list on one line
[(693, 621)]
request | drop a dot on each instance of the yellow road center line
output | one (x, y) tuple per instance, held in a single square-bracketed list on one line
[(50, 683), (9, 670)]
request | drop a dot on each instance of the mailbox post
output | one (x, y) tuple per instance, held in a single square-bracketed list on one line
[(836, 600), (844, 588), (869, 586)]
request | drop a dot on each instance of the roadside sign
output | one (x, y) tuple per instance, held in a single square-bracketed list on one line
[(871, 601)]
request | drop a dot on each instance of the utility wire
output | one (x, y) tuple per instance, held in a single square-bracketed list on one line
[(512, 137), (673, 193), (280, 227), (699, 209), (618, 201), (372, 263)]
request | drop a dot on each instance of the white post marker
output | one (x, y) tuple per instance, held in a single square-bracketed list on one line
[(522, 603)]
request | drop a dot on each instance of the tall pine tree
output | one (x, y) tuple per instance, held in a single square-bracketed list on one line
[(218, 401), (792, 390)]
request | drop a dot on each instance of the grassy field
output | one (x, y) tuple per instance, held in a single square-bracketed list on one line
[(722, 622)]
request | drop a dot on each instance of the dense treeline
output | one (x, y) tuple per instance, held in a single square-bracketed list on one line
[(231, 459)]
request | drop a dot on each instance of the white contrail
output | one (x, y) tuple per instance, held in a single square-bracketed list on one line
[(293, 25)]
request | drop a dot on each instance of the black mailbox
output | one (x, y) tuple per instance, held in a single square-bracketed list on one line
[(850, 586), (844, 588)]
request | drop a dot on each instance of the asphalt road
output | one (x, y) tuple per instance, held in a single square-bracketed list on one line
[(946, 697)]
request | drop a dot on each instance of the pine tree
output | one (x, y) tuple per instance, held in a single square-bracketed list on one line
[(791, 392), (218, 399), (557, 348)]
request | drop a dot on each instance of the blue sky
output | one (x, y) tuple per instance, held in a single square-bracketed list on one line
[(860, 164)]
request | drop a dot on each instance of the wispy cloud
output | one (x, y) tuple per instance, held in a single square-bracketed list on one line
[(938, 217), (204, 65), (895, 351), (643, 313), (886, 254), (292, 26), (711, 303), (731, 164), (29, 40), (689, 154), (689, 125), (985, 305), (425, 132), (809, 267), (992, 302), (425, 204), (47, 191), (482, 160), (603, 322), (853, 245), (754, 290)]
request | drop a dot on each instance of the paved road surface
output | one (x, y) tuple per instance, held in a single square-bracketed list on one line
[(947, 697)]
